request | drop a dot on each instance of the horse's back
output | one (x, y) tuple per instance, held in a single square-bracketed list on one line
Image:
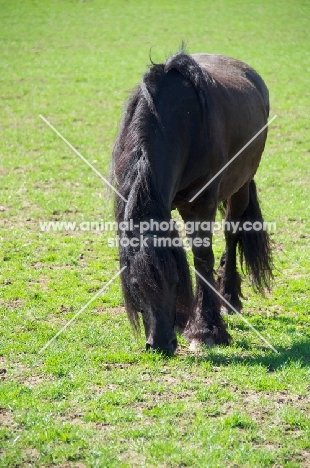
[(239, 108), (233, 74)]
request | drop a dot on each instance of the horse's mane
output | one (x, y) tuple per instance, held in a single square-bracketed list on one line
[(132, 175), (129, 159)]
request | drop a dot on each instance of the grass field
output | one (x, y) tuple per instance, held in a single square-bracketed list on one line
[(94, 398)]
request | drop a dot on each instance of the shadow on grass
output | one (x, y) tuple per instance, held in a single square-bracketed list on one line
[(242, 353), (298, 352)]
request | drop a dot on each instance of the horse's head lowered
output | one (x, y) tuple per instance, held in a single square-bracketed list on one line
[(156, 287)]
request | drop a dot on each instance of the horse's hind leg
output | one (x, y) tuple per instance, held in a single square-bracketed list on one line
[(229, 278), (205, 324)]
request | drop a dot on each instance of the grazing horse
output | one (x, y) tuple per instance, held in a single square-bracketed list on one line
[(184, 122)]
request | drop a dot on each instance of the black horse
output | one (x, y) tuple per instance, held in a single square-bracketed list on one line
[(183, 123)]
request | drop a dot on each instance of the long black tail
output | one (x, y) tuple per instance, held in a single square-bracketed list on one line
[(254, 245)]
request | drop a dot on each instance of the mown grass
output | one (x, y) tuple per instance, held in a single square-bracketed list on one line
[(94, 398)]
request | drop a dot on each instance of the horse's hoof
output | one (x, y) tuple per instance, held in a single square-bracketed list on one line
[(195, 345), (224, 311), (209, 342)]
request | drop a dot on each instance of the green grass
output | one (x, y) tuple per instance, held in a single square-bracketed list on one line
[(94, 398)]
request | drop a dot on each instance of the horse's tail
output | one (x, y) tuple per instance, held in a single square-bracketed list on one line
[(254, 245)]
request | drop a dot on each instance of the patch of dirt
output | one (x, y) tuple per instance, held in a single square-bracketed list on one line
[(76, 418), (298, 275), (103, 427), (42, 281), (305, 457), (70, 465), (33, 380), (169, 379), (134, 458), (31, 454), (263, 407), (25, 375), (97, 390), (278, 398), (41, 265), (119, 365), (110, 310), (7, 419), (12, 304)]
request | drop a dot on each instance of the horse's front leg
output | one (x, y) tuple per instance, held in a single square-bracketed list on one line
[(206, 324)]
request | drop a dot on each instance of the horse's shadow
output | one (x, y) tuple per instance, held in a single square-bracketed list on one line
[(299, 352)]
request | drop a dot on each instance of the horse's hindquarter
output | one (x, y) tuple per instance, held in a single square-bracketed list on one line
[(240, 107)]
